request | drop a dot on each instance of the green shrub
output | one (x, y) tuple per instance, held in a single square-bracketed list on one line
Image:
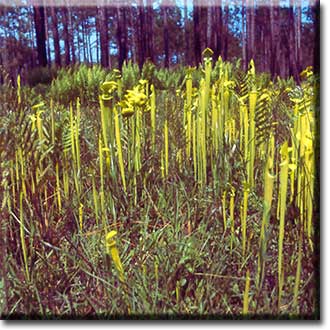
[(79, 81)]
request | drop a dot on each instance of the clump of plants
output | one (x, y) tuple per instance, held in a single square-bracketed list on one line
[(192, 195)]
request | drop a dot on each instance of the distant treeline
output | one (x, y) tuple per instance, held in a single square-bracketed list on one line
[(282, 39)]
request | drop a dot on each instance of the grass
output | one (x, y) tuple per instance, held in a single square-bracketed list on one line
[(206, 175)]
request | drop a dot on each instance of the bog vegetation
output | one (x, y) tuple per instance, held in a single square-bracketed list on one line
[(164, 192)]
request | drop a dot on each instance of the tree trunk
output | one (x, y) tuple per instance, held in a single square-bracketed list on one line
[(83, 39), (209, 24), (261, 49), (197, 34), (267, 40), (186, 35), (291, 45), (121, 39), (141, 33), (274, 38), (104, 38), (214, 14), (39, 21), (282, 51), (316, 29), (66, 35), (71, 36), (251, 29), (244, 57), (1, 64), (166, 40), (78, 44), (203, 25), (225, 38), (219, 28), (97, 43), (47, 39), (298, 36), (125, 32), (89, 44), (56, 38), (128, 35), (135, 35), (150, 32)]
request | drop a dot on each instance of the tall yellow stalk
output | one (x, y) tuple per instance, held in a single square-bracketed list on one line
[(282, 202), (232, 219), (22, 236), (77, 143), (267, 204), (224, 210), (166, 146), (137, 146), (153, 117), (246, 293), (81, 212), (201, 135), (294, 151), (207, 54), (112, 250), (188, 105), (19, 97), (309, 168), (58, 188), (74, 153), (104, 121), (103, 209), (241, 125), (246, 132), (214, 123), (252, 107), (23, 171), (12, 178), (40, 125), (65, 176), (244, 216), (73, 135), (52, 114), (119, 148), (194, 146), (162, 164)]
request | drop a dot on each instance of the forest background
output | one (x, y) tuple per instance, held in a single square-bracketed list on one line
[(281, 36)]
